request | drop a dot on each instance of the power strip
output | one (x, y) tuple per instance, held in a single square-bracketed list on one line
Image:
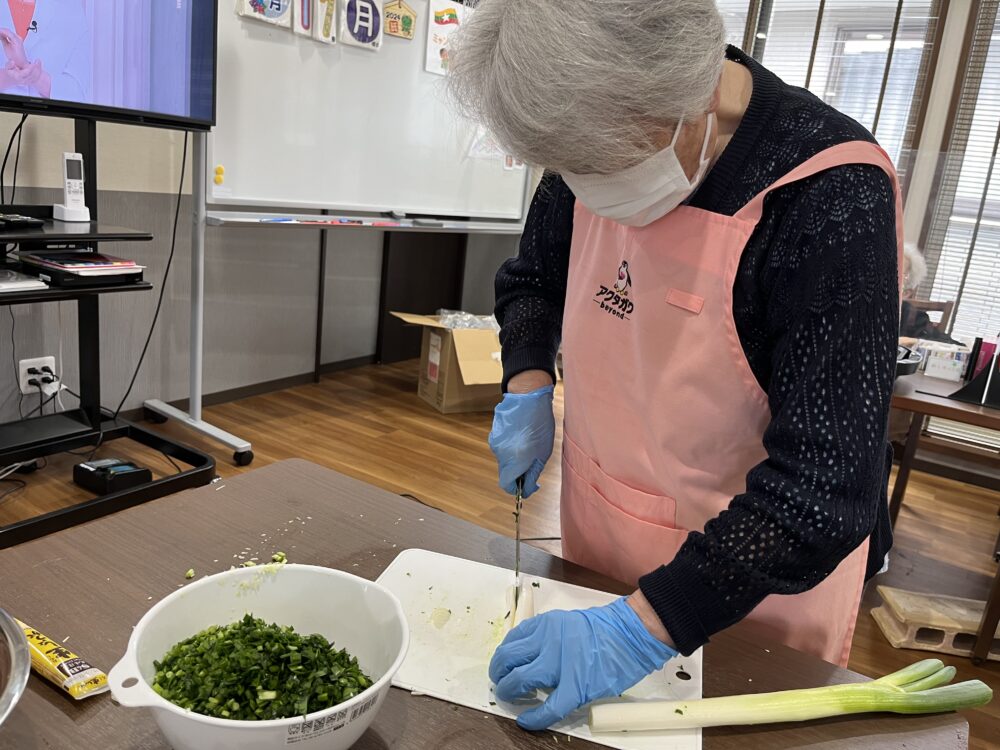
[(38, 364)]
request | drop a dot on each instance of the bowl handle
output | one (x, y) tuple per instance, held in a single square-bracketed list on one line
[(128, 688)]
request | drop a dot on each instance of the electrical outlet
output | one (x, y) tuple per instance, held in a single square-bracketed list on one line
[(24, 376)]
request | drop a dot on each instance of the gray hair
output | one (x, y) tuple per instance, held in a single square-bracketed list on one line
[(583, 85)]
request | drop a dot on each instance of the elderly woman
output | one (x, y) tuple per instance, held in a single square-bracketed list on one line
[(718, 253)]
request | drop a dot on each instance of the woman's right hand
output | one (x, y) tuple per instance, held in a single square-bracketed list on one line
[(13, 48), (523, 431)]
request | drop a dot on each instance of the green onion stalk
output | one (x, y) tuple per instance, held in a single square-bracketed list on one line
[(922, 688)]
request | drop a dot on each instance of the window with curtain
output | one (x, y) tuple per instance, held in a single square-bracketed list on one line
[(868, 58), (963, 240), (873, 60), (734, 13), (962, 244)]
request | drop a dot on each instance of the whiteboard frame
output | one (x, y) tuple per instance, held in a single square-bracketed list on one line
[(358, 210), (340, 220)]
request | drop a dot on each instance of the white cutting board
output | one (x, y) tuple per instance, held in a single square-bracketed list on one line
[(455, 609)]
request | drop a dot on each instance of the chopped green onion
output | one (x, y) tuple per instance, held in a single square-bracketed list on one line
[(919, 689), (250, 670), (190, 574)]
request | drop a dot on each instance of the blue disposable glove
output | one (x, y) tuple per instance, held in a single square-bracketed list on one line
[(583, 654), (521, 439)]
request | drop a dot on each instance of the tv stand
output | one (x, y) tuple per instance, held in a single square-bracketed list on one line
[(27, 439)]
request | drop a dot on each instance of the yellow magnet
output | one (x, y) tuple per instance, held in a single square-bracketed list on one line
[(219, 179), (220, 170)]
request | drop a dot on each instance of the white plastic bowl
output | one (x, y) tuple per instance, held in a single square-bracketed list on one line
[(352, 612), (15, 664)]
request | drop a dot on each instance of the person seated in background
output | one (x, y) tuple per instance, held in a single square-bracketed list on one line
[(915, 324)]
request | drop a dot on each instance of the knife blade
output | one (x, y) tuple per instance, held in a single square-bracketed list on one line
[(518, 496)]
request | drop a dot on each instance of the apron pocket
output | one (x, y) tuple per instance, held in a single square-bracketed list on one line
[(599, 535), (611, 527), (659, 510)]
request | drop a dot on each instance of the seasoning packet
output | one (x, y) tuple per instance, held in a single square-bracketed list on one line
[(62, 667)]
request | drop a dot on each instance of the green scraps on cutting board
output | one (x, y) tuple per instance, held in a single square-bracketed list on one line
[(250, 670)]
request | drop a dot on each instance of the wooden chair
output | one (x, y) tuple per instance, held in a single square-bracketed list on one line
[(945, 308), (899, 422)]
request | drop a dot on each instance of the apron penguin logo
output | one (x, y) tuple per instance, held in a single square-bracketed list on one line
[(615, 300), (624, 280)]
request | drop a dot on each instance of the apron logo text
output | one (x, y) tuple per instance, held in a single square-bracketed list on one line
[(615, 300)]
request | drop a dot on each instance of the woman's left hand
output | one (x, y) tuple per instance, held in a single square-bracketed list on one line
[(28, 75), (34, 76), (582, 655)]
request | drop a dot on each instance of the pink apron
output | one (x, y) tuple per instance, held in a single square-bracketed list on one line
[(664, 417)]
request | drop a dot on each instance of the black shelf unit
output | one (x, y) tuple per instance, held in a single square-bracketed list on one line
[(27, 439), (59, 294), (65, 232)]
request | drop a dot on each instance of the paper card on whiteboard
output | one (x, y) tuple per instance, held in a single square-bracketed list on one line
[(303, 17), (325, 28), (278, 12), (443, 17), (361, 23), (511, 162), (400, 19)]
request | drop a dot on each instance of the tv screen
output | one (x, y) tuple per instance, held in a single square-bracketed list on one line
[(146, 61)]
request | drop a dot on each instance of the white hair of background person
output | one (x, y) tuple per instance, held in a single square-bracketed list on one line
[(914, 267), (586, 86)]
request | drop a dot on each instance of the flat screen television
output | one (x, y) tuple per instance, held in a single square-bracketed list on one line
[(147, 62)]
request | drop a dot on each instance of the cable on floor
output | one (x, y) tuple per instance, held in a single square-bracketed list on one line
[(19, 484)]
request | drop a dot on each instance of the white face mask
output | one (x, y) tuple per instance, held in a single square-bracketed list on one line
[(640, 195)]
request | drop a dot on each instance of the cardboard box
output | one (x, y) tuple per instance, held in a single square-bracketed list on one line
[(460, 369)]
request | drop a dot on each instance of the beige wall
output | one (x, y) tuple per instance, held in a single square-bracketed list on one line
[(131, 159)]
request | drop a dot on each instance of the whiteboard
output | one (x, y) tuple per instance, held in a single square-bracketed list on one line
[(308, 125)]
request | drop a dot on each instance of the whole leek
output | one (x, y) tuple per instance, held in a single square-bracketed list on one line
[(918, 689)]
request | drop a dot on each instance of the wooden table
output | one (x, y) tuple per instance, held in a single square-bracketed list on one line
[(928, 397), (92, 583)]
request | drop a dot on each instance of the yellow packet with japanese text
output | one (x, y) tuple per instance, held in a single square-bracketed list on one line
[(62, 667)]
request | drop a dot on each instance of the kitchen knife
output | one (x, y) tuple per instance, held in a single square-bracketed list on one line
[(518, 496)]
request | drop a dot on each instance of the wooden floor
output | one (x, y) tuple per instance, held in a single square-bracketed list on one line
[(369, 423)]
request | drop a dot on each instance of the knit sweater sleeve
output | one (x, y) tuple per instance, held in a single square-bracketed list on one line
[(531, 288), (831, 298)]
